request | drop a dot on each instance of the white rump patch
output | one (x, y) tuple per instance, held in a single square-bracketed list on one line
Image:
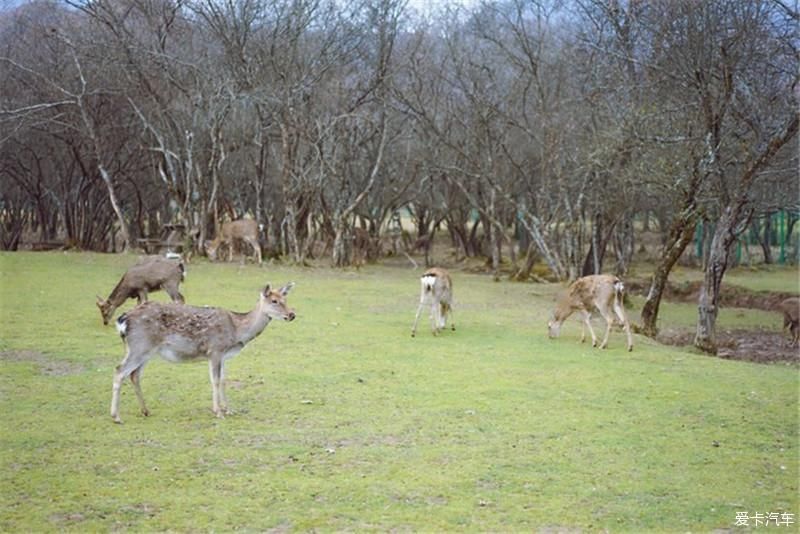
[(122, 327), (619, 286), (428, 282)]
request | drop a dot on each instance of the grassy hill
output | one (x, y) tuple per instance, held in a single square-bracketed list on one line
[(342, 421)]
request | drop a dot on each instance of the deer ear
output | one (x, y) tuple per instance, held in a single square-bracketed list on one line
[(265, 291), (100, 300), (285, 289)]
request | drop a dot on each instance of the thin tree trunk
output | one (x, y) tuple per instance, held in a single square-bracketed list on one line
[(734, 220), (680, 235)]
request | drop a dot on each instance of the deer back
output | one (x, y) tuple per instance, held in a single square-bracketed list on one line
[(240, 229), (178, 332)]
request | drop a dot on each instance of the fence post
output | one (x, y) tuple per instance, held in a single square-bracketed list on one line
[(698, 239), (782, 236)]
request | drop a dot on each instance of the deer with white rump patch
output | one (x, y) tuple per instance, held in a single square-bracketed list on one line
[(603, 292), (182, 333), (149, 274), (437, 292), (242, 230)]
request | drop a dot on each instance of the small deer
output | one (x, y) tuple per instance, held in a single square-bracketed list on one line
[(791, 318), (437, 292), (603, 292), (182, 333), (246, 230), (365, 247), (149, 274)]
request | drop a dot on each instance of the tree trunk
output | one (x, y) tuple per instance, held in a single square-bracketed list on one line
[(112, 196), (341, 248), (766, 240), (735, 217), (708, 304), (680, 235), (624, 244)]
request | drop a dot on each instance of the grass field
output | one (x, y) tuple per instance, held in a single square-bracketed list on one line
[(342, 421)]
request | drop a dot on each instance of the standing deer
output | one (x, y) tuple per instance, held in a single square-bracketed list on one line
[(149, 274), (791, 318), (437, 292), (181, 333), (242, 230), (603, 292)]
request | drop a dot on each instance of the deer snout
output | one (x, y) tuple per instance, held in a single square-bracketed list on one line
[(291, 316)]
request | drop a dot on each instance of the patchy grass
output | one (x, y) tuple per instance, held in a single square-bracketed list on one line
[(344, 422)]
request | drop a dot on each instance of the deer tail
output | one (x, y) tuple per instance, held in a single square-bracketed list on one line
[(122, 325), (619, 290)]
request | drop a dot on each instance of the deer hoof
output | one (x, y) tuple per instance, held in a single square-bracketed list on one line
[(146, 412), (117, 420)]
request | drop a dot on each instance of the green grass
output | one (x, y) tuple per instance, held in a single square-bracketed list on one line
[(344, 422)]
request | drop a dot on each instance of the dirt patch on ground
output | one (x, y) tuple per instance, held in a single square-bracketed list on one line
[(731, 296), (746, 345), (47, 366), (749, 345)]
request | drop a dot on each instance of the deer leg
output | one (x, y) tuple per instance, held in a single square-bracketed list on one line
[(587, 322), (609, 322), (435, 317), (452, 318), (256, 249), (223, 400), (215, 372), (136, 378), (141, 296), (625, 324), (172, 290), (583, 330), (416, 319), (129, 364)]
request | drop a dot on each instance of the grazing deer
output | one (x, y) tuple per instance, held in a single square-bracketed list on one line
[(601, 291), (791, 318), (437, 292), (149, 274), (365, 247), (242, 230), (181, 333)]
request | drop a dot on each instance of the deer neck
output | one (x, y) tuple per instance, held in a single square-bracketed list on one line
[(251, 324), (119, 294), (563, 310)]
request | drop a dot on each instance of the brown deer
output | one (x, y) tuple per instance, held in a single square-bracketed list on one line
[(182, 333), (603, 292), (791, 318), (149, 274), (436, 292), (365, 247), (246, 230)]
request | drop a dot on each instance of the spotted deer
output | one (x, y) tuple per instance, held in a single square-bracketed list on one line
[(791, 318), (603, 292), (436, 292), (181, 333), (246, 230), (149, 274)]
